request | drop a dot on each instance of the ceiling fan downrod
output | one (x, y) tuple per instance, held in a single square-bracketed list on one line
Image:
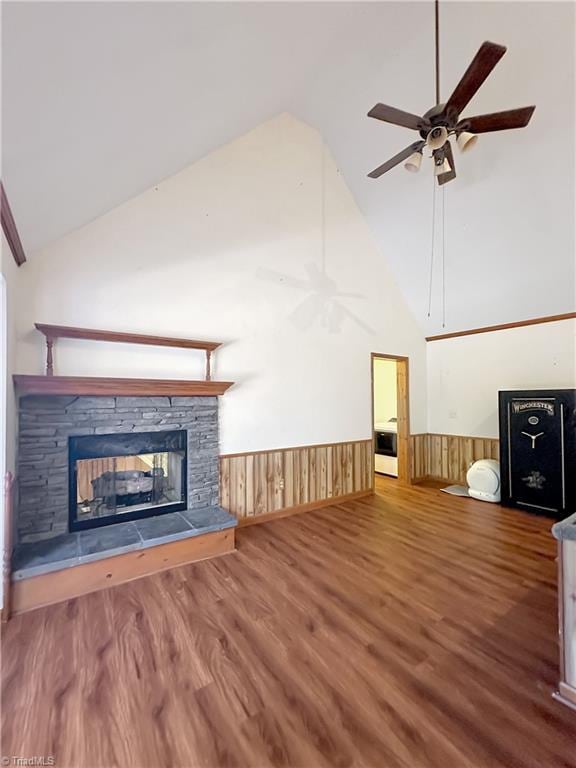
[(437, 30)]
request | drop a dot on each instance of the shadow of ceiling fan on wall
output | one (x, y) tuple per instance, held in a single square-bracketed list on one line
[(443, 121), (323, 303)]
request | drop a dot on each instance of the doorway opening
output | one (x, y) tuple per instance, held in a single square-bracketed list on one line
[(390, 416)]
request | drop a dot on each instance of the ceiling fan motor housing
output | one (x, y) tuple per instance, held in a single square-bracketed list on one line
[(437, 117)]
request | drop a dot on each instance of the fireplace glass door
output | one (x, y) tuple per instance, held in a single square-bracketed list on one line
[(114, 478)]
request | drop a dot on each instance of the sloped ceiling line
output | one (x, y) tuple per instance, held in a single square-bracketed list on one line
[(89, 125)]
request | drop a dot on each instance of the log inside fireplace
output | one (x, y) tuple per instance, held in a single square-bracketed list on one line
[(120, 477)]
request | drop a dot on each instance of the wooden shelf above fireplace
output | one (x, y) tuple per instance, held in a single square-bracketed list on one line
[(68, 332), (53, 332), (95, 385)]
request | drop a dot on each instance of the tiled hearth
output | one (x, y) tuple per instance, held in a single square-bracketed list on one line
[(72, 549)]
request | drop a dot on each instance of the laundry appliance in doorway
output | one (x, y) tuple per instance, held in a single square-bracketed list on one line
[(386, 447)]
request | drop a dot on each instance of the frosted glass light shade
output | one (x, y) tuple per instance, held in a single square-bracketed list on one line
[(466, 141), (413, 162), (437, 137)]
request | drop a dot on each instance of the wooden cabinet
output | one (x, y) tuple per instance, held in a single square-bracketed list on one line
[(567, 609)]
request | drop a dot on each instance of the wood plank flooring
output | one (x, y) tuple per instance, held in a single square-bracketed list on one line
[(409, 629)]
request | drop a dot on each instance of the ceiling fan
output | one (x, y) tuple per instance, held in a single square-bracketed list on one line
[(443, 121)]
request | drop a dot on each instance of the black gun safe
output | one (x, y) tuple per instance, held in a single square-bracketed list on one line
[(538, 450)]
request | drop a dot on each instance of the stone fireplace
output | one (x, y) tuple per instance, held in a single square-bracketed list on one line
[(88, 461), (117, 478)]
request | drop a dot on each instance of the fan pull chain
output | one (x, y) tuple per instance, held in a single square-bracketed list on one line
[(323, 204), (432, 246), (444, 256)]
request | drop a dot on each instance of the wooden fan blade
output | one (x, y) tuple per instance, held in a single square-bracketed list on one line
[(497, 121), (398, 117), (416, 147), (444, 178), (482, 64)]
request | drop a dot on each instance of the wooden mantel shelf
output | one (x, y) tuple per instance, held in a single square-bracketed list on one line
[(94, 385), (53, 332), (69, 332)]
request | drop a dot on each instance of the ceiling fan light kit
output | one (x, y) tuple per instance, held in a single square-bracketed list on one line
[(437, 137), (442, 122), (414, 161), (466, 140)]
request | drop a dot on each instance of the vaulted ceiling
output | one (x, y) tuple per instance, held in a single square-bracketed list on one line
[(102, 100)]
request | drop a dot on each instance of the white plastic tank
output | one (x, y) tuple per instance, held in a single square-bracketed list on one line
[(483, 480)]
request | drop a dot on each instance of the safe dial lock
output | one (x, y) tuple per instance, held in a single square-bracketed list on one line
[(533, 437)]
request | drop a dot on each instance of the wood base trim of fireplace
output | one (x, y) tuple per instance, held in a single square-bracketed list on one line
[(95, 385), (66, 584)]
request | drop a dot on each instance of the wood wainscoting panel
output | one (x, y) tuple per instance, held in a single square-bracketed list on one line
[(263, 483), (447, 457), (419, 457)]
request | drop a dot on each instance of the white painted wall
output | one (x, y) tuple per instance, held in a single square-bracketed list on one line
[(199, 74), (385, 390), (226, 250), (466, 373), (9, 276)]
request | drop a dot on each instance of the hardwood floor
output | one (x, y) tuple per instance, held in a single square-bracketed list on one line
[(402, 630)]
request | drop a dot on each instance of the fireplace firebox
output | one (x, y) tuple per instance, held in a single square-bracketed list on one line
[(119, 477)]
